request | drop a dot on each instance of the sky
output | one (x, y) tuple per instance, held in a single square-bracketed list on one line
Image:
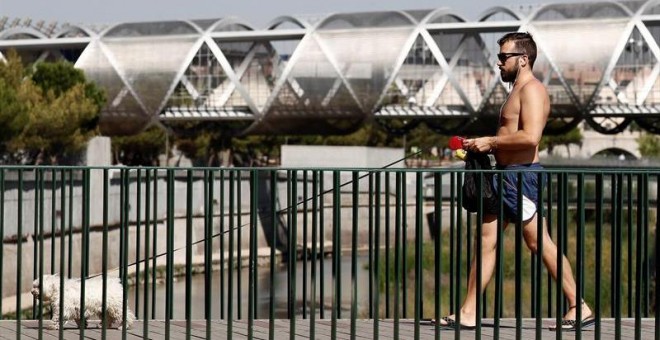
[(255, 12)]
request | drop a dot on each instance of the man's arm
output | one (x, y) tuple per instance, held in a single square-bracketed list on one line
[(532, 121)]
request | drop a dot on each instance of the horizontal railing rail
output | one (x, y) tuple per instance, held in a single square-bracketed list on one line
[(241, 250)]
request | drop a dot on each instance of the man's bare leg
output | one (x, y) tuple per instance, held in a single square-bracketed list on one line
[(550, 253), (488, 258)]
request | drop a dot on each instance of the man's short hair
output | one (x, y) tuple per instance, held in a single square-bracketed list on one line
[(524, 44)]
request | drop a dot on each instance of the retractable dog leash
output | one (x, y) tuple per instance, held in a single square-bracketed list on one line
[(283, 210)]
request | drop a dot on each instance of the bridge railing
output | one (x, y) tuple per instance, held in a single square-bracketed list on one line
[(245, 247)]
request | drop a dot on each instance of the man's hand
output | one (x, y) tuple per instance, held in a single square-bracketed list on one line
[(481, 144)]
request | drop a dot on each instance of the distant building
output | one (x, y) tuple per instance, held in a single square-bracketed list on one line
[(599, 60)]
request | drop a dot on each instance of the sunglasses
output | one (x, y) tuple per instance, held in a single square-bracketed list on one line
[(504, 56)]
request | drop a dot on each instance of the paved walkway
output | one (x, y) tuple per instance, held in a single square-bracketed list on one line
[(364, 330)]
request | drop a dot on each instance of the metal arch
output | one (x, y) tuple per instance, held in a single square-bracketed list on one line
[(286, 18), (435, 50), (653, 47), (240, 71), (332, 16), (194, 25), (4, 34), (121, 75), (441, 12), (180, 73), (618, 50), (69, 28), (500, 9), (105, 31), (399, 64), (437, 91), (229, 21), (556, 68), (285, 73), (547, 6), (224, 63), (647, 5), (333, 62)]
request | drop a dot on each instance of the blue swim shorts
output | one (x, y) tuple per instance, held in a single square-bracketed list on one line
[(530, 189)]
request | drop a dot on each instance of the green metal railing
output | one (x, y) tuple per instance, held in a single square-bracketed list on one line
[(310, 244)]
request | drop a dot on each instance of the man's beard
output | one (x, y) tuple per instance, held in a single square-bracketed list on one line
[(509, 77)]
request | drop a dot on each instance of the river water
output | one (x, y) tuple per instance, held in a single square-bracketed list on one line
[(264, 291)]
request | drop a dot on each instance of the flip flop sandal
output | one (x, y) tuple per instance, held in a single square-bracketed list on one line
[(451, 324)]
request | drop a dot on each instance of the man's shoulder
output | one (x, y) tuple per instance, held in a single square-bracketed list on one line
[(533, 89)]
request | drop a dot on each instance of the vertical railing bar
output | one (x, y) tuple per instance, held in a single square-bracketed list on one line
[(155, 247), (376, 258), (372, 291), (613, 260), (540, 232), (315, 257), (397, 254), (147, 242), (40, 238), (549, 227), (619, 227), (124, 242), (35, 231), (252, 266), (579, 265), (499, 274), (19, 251), (84, 268), (639, 238), (452, 240), (322, 244), (62, 241), (354, 235), (138, 239), (518, 255), (478, 252), (169, 287), (104, 257), (630, 237), (53, 217), (222, 244), (239, 237), (404, 244), (208, 249), (70, 245), (273, 243), (646, 258), (293, 254), (304, 246), (387, 244), (188, 291), (599, 253), (437, 225), (336, 250), (231, 264), (419, 204), (459, 251)]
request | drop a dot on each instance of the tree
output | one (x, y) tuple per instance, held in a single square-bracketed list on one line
[(47, 115), (574, 136), (649, 145), (141, 149), (16, 97)]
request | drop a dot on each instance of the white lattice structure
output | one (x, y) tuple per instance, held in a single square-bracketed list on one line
[(599, 60)]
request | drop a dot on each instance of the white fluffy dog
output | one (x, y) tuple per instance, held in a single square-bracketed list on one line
[(93, 300)]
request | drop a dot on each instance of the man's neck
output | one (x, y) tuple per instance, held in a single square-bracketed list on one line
[(523, 78)]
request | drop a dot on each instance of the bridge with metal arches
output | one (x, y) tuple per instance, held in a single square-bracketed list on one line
[(599, 60)]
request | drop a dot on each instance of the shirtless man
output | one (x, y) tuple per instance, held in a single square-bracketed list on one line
[(516, 146)]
